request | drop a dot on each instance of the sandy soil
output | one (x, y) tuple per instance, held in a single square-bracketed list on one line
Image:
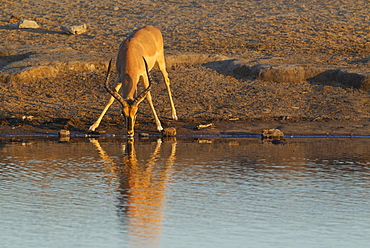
[(321, 34)]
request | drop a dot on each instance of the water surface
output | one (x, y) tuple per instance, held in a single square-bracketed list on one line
[(185, 193)]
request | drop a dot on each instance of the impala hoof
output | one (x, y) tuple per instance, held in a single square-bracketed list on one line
[(130, 136)]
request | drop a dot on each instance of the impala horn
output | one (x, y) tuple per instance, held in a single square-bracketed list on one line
[(117, 96)]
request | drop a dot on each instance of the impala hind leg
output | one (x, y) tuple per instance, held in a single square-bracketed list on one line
[(162, 67), (110, 102)]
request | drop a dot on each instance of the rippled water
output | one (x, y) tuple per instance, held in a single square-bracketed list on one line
[(185, 193)]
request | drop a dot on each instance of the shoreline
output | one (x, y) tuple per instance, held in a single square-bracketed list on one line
[(320, 129)]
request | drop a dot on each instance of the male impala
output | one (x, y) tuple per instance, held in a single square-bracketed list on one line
[(141, 49)]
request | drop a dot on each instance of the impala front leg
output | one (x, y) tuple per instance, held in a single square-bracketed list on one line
[(162, 67), (149, 98), (110, 102), (173, 110)]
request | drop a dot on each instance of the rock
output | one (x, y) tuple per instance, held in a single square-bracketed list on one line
[(29, 63), (272, 133), (168, 132), (143, 135), (201, 126), (74, 29), (281, 73), (64, 133), (27, 118), (28, 24)]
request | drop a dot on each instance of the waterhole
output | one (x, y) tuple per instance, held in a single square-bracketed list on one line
[(238, 192)]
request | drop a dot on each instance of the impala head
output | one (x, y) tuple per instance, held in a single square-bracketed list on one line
[(129, 107), (129, 111)]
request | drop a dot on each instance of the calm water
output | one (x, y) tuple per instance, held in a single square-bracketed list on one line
[(185, 193)]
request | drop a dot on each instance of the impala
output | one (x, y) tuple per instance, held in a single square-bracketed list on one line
[(136, 56)]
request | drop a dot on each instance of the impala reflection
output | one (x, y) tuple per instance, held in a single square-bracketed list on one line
[(142, 190)]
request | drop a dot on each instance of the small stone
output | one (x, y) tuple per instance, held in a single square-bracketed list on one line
[(27, 118), (272, 133), (74, 29), (201, 126), (143, 135), (168, 132), (28, 24), (97, 132), (64, 133)]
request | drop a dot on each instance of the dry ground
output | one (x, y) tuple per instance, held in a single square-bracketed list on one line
[(328, 34)]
